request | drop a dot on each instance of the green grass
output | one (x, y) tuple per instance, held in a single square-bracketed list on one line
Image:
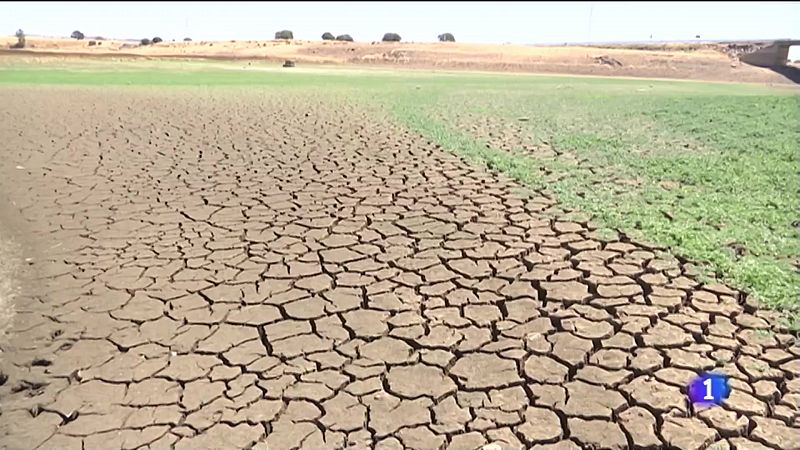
[(716, 163), (717, 168)]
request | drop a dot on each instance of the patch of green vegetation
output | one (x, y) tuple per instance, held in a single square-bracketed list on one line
[(711, 175), (707, 169)]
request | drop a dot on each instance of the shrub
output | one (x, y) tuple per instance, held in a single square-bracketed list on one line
[(145, 41), (157, 39), (187, 39), (20, 39), (344, 37), (327, 36), (92, 43), (391, 37), (446, 37), (76, 35), (284, 34), (607, 60)]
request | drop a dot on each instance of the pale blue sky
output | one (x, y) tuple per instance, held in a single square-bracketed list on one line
[(490, 22)]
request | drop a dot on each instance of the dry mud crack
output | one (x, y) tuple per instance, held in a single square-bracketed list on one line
[(229, 269)]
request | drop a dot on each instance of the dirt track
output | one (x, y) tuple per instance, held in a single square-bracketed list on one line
[(223, 269)]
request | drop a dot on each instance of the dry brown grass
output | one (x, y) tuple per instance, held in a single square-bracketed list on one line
[(695, 61)]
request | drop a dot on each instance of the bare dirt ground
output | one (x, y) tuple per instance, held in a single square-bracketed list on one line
[(9, 273), (696, 62), (235, 269)]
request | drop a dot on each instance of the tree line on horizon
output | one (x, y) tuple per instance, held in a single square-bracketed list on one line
[(388, 37), (279, 35)]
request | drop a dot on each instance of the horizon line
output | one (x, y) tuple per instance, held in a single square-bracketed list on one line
[(553, 43)]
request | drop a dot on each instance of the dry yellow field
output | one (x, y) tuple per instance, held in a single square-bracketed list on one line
[(677, 61)]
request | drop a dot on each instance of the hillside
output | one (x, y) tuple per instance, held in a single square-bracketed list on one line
[(699, 62)]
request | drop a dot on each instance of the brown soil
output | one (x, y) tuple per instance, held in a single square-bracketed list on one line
[(697, 62), (232, 270)]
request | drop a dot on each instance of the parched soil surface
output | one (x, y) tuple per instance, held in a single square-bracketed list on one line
[(245, 268)]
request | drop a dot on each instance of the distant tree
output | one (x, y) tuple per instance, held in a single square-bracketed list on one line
[(446, 37), (20, 39), (391, 37), (284, 34), (76, 35), (327, 36), (99, 38), (157, 39), (145, 41), (344, 37), (187, 39)]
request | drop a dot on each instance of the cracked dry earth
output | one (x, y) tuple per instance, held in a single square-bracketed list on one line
[(236, 269)]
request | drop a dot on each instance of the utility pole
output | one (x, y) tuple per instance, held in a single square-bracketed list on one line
[(591, 11)]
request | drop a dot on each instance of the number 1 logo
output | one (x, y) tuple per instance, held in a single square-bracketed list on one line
[(709, 389), (709, 393)]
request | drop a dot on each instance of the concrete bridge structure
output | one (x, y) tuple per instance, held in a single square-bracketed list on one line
[(772, 54)]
